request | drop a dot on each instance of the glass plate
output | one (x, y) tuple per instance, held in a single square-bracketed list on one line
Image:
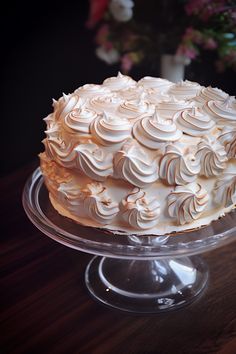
[(133, 273)]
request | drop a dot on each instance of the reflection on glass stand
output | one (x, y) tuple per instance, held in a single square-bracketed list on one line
[(144, 274)]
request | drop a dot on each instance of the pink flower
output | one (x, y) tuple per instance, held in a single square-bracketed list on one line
[(97, 10), (126, 63), (205, 8), (210, 43), (192, 35), (189, 52)]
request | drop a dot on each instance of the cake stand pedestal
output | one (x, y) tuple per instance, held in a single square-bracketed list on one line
[(142, 274)]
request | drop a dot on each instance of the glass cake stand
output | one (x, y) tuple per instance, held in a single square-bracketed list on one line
[(144, 274)]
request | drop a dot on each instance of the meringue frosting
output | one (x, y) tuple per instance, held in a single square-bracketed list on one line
[(146, 157)]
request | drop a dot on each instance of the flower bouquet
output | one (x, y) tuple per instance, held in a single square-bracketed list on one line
[(134, 32)]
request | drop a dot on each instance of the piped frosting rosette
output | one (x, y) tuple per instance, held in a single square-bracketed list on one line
[(225, 189), (133, 165), (153, 131), (65, 104), (92, 90), (131, 93), (184, 90), (177, 166), (107, 103), (53, 126), (98, 205), (223, 112), (169, 105), (91, 160), (212, 157), (57, 150), (118, 82), (71, 197), (139, 211), (210, 93), (228, 139), (109, 130), (78, 120), (135, 108), (194, 122), (158, 84), (186, 203)]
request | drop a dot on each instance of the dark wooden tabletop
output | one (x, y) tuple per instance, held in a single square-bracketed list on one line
[(45, 307)]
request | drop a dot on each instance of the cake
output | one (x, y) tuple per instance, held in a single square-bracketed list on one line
[(145, 157)]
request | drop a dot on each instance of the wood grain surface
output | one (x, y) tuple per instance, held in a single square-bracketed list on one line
[(45, 307)]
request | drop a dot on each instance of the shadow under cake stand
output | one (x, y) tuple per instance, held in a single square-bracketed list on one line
[(143, 274)]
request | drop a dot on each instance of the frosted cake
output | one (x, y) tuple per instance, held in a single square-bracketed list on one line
[(146, 157)]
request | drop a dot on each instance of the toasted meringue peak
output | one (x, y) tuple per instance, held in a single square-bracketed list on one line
[(223, 112), (108, 129), (225, 189), (184, 89), (135, 108), (177, 166), (119, 82), (92, 90), (228, 139), (212, 157), (210, 93), (149, 82), (78, 120), (186, 203), (139, 211), (98, 204), (92, 161), (153, 131), (194, 122), (132, 164)]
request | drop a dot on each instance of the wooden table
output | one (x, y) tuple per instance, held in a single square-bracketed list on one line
[(45, 307)]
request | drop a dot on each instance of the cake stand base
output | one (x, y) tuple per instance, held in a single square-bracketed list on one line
[(146, 286)]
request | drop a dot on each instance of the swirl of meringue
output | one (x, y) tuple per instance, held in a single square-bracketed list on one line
[(194, 122), (109, 130), (135, 108), (140, 212), (71, 197), (186, 203), (131, 93), (225, 189), (150, 82), (53, 126), (228, 139), (168, 105), (98, 205), (184, 89), (153, 131), (57, 150), (53, 173), (92, 90), (78, 120), (65, 104), (212, 156), (119, 82), (132, 164), (107, 103), (210, 94), (175, 167), (92, 161), (223, 112)]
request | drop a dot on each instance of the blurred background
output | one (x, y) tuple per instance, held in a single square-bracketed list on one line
[(47, 50)]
